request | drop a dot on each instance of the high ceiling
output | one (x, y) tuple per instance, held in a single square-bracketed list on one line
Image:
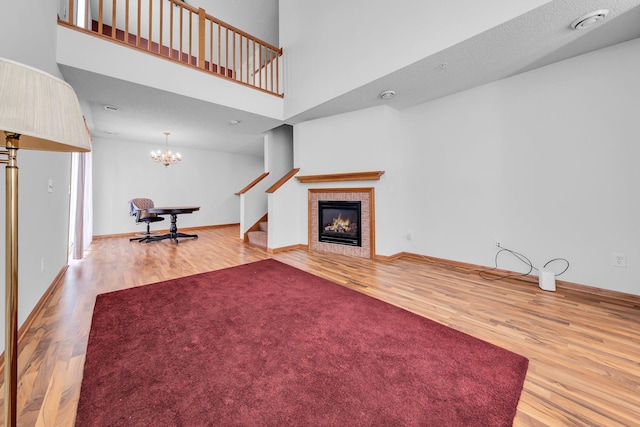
[(535, 39)]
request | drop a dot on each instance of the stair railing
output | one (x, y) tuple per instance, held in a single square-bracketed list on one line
[(179, 32)]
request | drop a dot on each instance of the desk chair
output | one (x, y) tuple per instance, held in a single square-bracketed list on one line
[(138, 208)]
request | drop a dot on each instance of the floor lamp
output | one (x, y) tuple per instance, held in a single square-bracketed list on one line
[(40, 112)]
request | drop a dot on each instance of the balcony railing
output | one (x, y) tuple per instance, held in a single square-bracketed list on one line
[(181, 33)]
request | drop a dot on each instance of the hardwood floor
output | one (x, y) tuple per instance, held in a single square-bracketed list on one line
[(584, 349)]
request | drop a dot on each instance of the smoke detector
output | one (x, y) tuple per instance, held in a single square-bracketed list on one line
[(589, 20), (387, 94)]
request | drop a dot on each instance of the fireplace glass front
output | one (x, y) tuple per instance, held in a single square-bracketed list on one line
[(339, 222)]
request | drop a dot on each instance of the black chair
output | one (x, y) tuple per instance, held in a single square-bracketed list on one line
[(138, 208)]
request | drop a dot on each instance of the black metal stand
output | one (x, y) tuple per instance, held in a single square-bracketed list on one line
[(146, 238), (173, 232)]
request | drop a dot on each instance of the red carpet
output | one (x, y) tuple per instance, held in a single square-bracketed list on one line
[(265, 344)]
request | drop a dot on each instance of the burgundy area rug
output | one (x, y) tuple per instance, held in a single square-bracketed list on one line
[(266, 344)]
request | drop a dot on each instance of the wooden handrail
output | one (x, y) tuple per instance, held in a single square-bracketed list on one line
[(197, 40), (282, 180), (252, 184)]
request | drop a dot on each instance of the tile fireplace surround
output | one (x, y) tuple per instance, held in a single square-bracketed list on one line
[(367, 222)]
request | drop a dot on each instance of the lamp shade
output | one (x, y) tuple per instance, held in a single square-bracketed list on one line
[(42, 109)]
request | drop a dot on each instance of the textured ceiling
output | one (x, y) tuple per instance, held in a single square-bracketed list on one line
[(535, 39)]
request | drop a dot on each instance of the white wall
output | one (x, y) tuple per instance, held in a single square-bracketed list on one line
[(257, 17), (254, 204), (278, 161), (287, 210), (123, 170), (321, 39), (278, 151), (365, 140), (545, 161), (27, 35)]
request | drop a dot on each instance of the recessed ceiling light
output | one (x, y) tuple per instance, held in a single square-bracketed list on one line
[(234, 122), (387, 94), (590, 19), (111, 108)]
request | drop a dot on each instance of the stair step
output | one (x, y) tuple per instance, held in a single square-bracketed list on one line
[(258, 238)]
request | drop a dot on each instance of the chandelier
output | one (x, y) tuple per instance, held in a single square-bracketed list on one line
[(165, 157)]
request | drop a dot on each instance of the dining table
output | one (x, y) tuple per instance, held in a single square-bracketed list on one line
[(173, 211)]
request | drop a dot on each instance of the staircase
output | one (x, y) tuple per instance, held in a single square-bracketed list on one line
[(259, 237)]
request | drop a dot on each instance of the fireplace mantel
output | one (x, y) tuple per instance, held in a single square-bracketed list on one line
[(338, 177)]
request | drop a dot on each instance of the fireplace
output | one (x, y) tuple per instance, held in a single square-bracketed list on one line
[(366, 222), (339, 222)]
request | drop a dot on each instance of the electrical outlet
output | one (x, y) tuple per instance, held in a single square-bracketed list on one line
[(42, 265), (497, 243), (409, 235), (618, 259)]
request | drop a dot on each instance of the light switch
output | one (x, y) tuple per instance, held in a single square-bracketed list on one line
[(50, 186)]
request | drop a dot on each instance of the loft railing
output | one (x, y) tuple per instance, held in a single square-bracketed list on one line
[(181, 33)]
